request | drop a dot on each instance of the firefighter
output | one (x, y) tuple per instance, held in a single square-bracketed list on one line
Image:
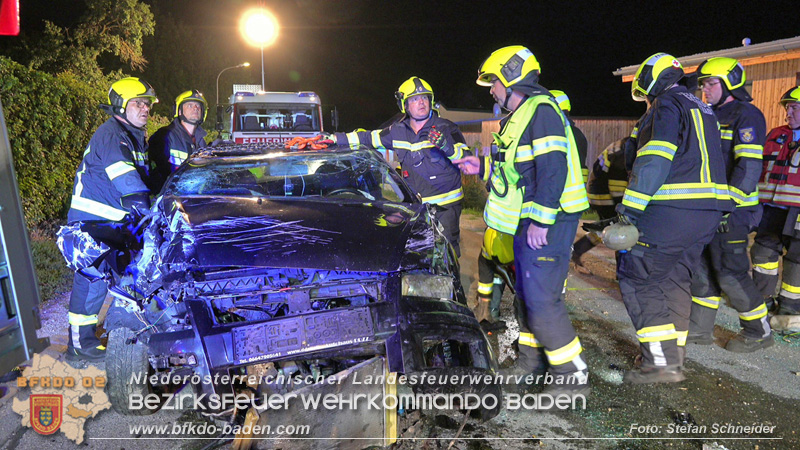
[(724, 265), (580, 139), (495, 270), (675, 196), (607, 183), (536, 193), (425, 145), (109, 185), (171, 145), (779, 229)]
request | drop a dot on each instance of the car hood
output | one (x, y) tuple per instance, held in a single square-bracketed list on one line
[(256, 232)]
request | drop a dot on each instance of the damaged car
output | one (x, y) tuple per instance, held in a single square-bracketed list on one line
[(312, 264)]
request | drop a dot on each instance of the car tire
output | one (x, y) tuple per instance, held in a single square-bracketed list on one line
[(122, 360)]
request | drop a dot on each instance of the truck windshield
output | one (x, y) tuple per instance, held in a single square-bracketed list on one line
[(265, 117)]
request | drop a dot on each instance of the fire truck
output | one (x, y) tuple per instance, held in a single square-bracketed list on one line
[(273, 117)]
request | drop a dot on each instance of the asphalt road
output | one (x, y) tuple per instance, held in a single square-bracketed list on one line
[(723, 389)]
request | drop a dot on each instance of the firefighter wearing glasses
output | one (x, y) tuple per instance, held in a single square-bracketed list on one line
[(171, 145), (724, 265), (675, 196), (779, 192), (425, 145), (109, 185), (536, 193)]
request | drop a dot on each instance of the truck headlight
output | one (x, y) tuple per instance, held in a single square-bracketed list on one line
[(431, 286)]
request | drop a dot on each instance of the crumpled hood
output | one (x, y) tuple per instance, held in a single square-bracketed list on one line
[(252, 232)]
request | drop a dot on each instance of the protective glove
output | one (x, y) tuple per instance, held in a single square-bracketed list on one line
[(627, 216), (437, 138), (327, 139), (723, 224)]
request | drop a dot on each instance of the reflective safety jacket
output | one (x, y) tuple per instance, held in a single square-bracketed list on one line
[(743, 129), (169, 147), (679, 162), (114, 164), (609, 178), (780, 182), (535, 172), (427, 169)]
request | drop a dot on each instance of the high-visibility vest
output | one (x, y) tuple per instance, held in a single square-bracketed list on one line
[(504, 207)]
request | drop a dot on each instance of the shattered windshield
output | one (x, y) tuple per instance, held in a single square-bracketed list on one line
[(361, 175)]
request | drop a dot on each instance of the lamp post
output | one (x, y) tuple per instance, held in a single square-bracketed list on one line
[(260, 29), (245, 64)]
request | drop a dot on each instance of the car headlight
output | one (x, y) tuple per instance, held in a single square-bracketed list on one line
[(431, 286)]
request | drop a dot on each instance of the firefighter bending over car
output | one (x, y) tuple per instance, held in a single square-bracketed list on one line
[(171, 145), (779, 193), (679, 173), (109, 185), (425, 145), (724, 265), (536, 193)]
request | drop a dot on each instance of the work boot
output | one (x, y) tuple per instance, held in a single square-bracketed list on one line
[(646, 375), (700, 338), (531, 361), (785, 308), (485, 318), (744, 344), (94, 354)]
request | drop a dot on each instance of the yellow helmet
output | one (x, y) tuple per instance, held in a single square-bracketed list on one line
[(729, 70), (790, 96), (411, 88), (655, 75), (191, 96), (562, 100), (510, 65), (126, 89)]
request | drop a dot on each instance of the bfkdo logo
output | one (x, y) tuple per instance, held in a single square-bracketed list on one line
[(46, 413)]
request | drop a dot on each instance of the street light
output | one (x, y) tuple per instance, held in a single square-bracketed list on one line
[(259, 28), (245, 64), (218, 125)]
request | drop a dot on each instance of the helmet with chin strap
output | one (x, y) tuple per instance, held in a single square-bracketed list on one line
[(656, 74), (126, 89), (514, 66), (412, 87), (191, 96)]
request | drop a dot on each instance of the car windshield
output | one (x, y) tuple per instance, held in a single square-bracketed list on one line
[(358, 175)]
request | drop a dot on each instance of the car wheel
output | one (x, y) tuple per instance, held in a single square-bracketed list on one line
[(124, 359)]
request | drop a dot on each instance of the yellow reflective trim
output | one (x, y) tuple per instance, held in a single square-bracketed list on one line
[(376, 139), (564, 354), (705, 169), (708, 302), (755, 314), (682, 336), (485, 288), (98, 209), (118, 169), (769, 265), (529, 340), (790, 288), (657, 333), (81, 319), (549, 144), (446, 198)]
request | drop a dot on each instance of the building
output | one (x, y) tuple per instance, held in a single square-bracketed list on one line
[(771, 67)]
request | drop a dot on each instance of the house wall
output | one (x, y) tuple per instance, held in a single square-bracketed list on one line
[(770, 81)]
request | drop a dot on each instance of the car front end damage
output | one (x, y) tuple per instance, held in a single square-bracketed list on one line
[(300, 291)]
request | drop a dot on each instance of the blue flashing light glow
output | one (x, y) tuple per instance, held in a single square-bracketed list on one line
[(306, 94), (245, 94)]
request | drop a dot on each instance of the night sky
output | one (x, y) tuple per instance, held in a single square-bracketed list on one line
[(355, 53)]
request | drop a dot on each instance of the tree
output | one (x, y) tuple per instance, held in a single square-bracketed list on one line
[(110, 32)]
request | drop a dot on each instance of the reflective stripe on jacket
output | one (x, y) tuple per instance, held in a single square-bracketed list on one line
[(780, 181), (114, 164), (169, 147), (508, 201), (679, 161), (427, 169)]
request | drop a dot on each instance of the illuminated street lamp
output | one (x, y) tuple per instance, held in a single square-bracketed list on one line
[(260, 28), (245, 64)]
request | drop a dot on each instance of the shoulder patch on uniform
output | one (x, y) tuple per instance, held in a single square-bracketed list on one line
[(747, 134)]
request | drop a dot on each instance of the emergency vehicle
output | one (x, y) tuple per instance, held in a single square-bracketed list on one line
[(273, 117)]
